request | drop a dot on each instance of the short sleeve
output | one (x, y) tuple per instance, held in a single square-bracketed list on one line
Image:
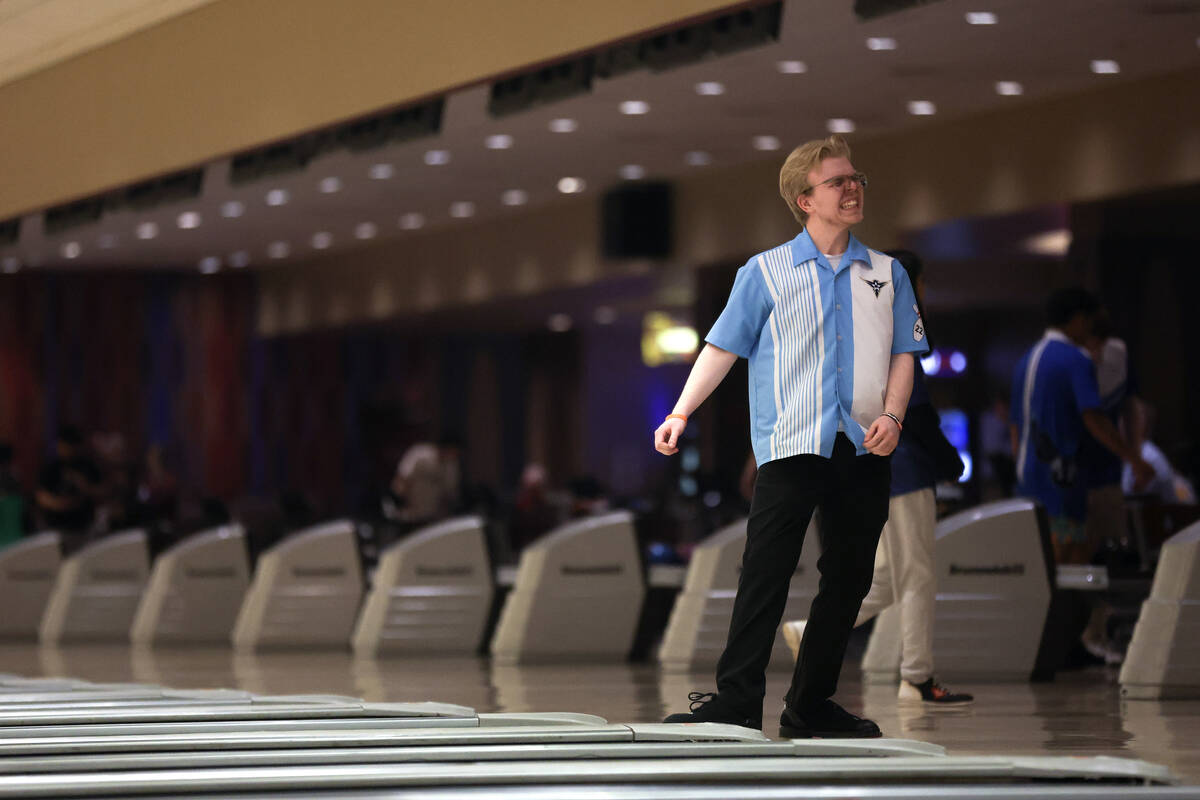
[(908, 329), (1082, 374), (740, 324)]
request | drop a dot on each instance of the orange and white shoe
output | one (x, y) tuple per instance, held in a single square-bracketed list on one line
[(793, 634), (932, 693)]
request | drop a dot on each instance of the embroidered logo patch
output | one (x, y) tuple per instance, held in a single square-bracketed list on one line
[(876, 285)]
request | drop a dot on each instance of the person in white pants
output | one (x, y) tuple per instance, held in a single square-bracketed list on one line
[(904, 567)]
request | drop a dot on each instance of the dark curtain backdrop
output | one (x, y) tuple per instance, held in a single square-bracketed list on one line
[(174, 360)]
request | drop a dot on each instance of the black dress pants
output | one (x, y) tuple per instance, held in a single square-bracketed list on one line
[(852, 493)]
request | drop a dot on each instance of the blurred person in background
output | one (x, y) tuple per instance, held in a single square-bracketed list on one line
[(904, 564), (1055, 400), (1168, 485), (13, 507), (69, 487), (427, 484), (829, 328)]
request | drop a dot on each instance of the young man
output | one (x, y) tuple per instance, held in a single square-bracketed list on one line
[(904, 563), (829, 328), (1055, 398)]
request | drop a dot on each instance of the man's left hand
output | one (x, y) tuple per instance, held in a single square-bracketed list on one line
[(882, 437)]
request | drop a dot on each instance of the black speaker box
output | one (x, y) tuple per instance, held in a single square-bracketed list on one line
[(636, 221)]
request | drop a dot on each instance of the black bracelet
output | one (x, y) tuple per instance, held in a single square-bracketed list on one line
[(894, 419)]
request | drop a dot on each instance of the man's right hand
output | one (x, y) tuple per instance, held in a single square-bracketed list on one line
[(667, 436)]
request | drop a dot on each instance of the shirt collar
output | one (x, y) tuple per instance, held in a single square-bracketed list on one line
[(803, 249), (1054, 334)]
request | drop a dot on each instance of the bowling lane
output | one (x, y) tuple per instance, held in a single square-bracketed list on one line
[(1080, 713)]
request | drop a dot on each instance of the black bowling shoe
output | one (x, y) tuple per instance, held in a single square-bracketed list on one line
[(712, 707), (826, 720)]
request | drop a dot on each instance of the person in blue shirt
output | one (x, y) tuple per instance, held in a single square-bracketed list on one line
[(829, 328), (1055, 399), (904, 563)]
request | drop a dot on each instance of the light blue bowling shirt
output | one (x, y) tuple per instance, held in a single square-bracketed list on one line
[(819, 343)]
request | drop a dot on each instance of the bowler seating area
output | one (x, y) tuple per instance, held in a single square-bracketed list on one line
[(579, 594)]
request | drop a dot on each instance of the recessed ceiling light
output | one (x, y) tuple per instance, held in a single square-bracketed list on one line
[(278, 249), (498, 141), (1105, 66), (411, 221), (710, 88), (604, 315), (840, 125), (462, 209), (278, 197), (1050, 243), (107, 241), (697, 158), (633, 172), (921, 108), (239, 259), (10, 264), (881, 43), (791, 67), (72, 250), (146, 230), (563, 125), (322, 239), (515, 197), (381, 172), (559, 323), (634, 107), (233, 208), (330, 185), (209, 264), (1009, 88), (571, 185), (188, 220), (435, 158), (981, 18), (766, 143), (365, 230)]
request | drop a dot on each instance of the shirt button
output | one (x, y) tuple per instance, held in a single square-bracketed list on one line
[(839, 337), (838, 306), (839, 369)]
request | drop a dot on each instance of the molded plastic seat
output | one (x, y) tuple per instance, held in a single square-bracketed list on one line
[(28, 568), (431, 595), (97, 590), (993, 596), (699, 622), (195, 590), (577, 595), (306, 591)]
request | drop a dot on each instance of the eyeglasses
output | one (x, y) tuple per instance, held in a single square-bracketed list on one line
[(838, 182)]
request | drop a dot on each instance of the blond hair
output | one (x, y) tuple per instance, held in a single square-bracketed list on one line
[(793, 176)]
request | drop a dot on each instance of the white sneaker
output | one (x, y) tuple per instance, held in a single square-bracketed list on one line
[(793, 633)]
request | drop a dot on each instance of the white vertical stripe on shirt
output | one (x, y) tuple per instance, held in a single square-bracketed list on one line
[(784, 355), (762, 264), (793, 346), (817, 364)]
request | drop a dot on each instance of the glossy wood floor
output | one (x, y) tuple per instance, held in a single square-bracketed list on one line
[(1081, 713)]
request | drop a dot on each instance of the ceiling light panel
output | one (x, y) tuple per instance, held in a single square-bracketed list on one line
[(881, 43), (981, 18)]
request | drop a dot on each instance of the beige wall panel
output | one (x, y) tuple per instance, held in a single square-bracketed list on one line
[(1130, 138), (238, 73)]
